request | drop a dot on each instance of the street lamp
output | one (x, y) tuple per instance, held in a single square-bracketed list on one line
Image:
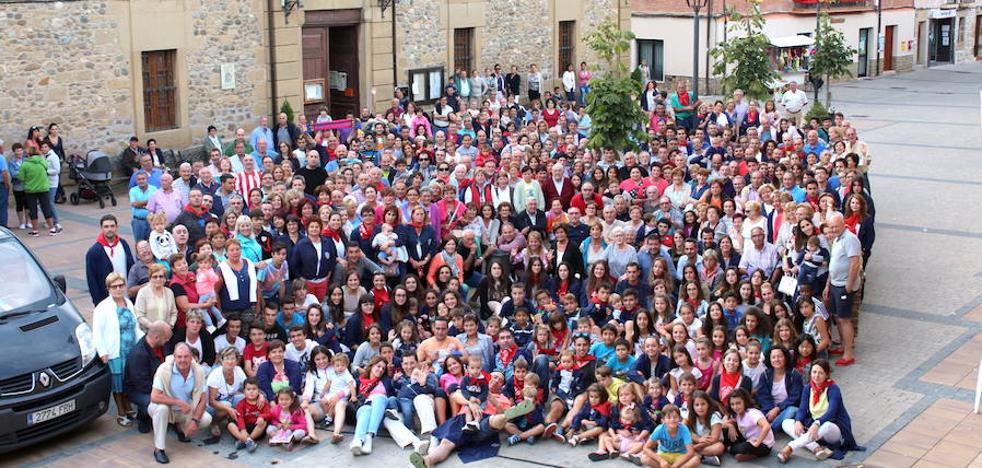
[(696, 5)]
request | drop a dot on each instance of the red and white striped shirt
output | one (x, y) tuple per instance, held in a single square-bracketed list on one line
[(246, 181)]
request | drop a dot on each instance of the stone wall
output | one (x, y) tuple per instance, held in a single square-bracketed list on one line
[(59, 62), (226, 31), (421, 36), (517, 33)]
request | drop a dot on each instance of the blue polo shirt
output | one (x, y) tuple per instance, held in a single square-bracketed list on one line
[(3, 168), (179, 387), (153, 177), (137, 195)]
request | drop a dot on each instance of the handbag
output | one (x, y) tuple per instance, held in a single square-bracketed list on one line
[(788, 285)]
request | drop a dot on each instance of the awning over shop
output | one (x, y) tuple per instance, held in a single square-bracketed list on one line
[(797, 40)]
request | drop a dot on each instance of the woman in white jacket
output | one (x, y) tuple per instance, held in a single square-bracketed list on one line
[(115, 332)]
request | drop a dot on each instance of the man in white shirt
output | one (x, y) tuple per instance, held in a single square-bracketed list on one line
[(300, 347), (794, 101), (231, 337)]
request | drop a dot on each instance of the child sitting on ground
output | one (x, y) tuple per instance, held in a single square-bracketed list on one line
[(289, 423), (249, 424)]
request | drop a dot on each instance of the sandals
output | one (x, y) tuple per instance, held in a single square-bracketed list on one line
[(124, 421), (823, 453), (336, 438)]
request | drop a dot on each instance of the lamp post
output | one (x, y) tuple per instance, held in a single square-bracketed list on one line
[(696, 5)]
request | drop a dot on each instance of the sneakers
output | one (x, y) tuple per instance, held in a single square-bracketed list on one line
[(632, 458), (598, 456), (573, 441), (34, 234), (472, 426), (550, 430), (712, 461), (366, 447), (251, 445), (513, 439), (417, 460), (823, 453), (55, 231), (355, 447), (22, 227), (530, 440), (421, 447), (240, 445), (391, 414)]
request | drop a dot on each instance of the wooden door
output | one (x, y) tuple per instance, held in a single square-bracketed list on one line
[(888, 48), (343, 50), (316, 64)]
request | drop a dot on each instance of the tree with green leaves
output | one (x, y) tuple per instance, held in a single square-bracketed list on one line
[(287, 109), (833, 58), (742, 60), (613, 104)]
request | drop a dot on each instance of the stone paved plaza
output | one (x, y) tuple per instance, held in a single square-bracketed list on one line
[(918, 346)]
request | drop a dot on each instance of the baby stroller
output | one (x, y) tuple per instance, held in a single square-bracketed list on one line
[(92, 176)]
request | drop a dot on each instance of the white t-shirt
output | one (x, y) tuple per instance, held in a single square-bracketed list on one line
[(221, 343), (216, 380), (318, 378), (754, 373), (339, 382), (301, 357)]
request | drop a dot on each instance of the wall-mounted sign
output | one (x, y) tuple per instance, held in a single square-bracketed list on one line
[(228, 75)]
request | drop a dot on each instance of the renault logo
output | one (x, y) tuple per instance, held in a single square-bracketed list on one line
[(44, 379)]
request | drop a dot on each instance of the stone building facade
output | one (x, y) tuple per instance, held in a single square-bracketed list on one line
[(106, 70)]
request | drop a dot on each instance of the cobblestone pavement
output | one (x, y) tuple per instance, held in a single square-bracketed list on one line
[(918, 344)]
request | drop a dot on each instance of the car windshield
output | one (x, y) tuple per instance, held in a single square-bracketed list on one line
[(23, 285)]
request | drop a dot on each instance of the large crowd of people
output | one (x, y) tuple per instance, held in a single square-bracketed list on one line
[(473, 269)]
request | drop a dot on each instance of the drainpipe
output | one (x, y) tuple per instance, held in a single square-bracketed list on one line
[(395, 63), (272, 58), (709, 28)]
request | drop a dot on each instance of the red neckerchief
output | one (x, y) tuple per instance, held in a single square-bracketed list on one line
[(367, 384), (585, 360), (417, 226), (603, 408), (519, 386), (818, 389), (328, 232), (507, 354), (728, 383), (367, 321), (112, 247), (484, 379), (684, 98), (366, 230), (558, 336), (199, 212), (563, 287), (851, 222)]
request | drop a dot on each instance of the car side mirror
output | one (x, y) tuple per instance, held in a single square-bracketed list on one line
[(62, 284)]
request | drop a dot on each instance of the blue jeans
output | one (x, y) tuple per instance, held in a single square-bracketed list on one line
[(788, 413), (584, 90), (369, 416), (140, 401), (4, 197), (51, 198), (405, 407), (141, 229), (474, 279)]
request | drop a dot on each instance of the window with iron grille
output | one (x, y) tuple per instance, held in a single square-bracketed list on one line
[(566, 44), (463, 49), (159, 90)]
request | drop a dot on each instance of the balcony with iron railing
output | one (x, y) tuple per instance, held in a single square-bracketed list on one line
[(837, 5)]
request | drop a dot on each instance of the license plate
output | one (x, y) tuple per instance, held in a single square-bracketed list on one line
[(48, 414)]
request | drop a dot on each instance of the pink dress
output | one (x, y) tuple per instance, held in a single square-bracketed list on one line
[(205, 281)]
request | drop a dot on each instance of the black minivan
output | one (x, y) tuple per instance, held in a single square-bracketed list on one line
[(50, 379)]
